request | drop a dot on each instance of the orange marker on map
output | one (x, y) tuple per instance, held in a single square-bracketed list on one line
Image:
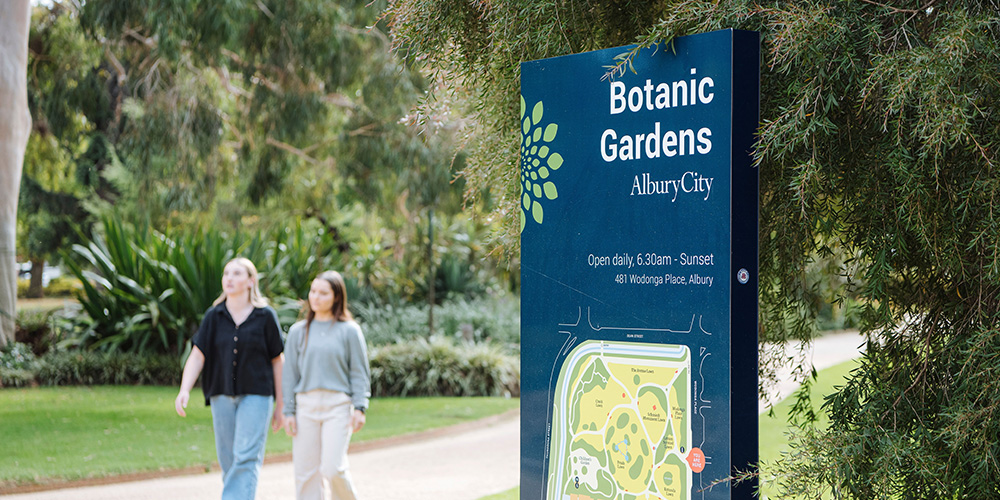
[(696, 459)]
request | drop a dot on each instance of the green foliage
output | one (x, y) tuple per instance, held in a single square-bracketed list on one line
[(877, 145), (390, 259), (386, 324), (493, 319), (63, 286), (107, 368), (48, 218), (145, 292), (133, 299), (462, 268), (61, 97), (17, 365), (778, 436), (34, 328), (474, 51), (370, 264), (16, 356), (243, 116), (835, 316), (293, 256), (16, 377), (440, 367), (456, 276), (246, 117), (201, 108)]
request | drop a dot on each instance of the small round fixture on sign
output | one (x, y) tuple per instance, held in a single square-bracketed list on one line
[(743, 276)]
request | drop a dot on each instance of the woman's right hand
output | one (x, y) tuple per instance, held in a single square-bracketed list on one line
[(290, 427), (192, 367), (181, 402)]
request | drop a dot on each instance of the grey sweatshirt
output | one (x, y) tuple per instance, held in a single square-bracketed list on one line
[(335, 359)]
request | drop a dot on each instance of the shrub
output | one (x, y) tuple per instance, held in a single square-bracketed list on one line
[(16, 356), (489, 318), (16, 364), (146, 292), (442, 367), (496, 319), (393, 264), (388, 324), (34, 329), (10, 377), (99, 368), (63, 286)]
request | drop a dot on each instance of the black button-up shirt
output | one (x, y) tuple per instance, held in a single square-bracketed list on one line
[(238, 358)]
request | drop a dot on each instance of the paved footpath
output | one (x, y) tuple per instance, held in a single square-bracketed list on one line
[(824, 352), (467, 465), (464, 464)]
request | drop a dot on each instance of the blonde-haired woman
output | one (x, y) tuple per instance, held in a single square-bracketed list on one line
[(240, 349), (327, 386)]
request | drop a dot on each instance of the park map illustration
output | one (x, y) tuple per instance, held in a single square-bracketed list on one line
[(621, 426)]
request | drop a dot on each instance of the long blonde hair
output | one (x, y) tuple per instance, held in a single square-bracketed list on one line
[(257, 299), (340, 311)]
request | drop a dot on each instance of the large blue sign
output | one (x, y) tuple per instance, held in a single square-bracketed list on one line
[(639, 271)]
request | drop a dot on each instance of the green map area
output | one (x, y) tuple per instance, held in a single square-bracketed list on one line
[(621, 427)]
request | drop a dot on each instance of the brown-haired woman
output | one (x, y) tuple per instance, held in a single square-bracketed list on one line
[(326, 388)]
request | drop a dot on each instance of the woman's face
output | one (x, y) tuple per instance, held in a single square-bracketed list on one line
[(235, 279), (321, 296)]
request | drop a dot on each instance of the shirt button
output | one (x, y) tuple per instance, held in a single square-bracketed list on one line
[(234, 351), (234, 363), (235, 339)]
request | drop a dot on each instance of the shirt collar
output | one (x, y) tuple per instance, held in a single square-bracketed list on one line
[(220, 308)]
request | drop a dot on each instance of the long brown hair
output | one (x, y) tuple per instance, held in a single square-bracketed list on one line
[(340, 311)]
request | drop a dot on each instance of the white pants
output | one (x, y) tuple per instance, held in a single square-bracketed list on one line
[(319, 448)]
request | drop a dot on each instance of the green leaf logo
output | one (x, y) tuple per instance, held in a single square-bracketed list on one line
[(537, 163)]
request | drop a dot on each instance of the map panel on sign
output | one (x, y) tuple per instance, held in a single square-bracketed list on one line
[(621, 426)]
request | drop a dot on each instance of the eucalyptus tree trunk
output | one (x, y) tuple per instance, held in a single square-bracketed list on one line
[(15, 125)]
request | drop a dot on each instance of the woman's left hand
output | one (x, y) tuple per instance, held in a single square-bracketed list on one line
[(357, 420)]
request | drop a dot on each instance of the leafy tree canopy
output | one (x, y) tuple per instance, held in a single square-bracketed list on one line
[(179, 112), (878, 146)]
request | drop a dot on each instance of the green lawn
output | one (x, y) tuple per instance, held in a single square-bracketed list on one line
[(81, 432), (774, 430)]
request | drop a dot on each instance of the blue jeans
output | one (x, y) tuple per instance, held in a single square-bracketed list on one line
[(240, 424)]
